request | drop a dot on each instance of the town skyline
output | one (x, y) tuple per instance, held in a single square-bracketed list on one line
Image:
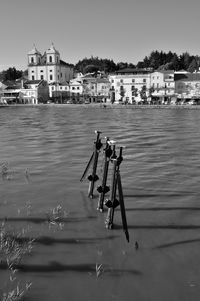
[(122, 31)]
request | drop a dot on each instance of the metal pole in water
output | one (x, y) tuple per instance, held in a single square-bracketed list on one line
[(103, 189), (113, 202), (122, 206), (93, 177)]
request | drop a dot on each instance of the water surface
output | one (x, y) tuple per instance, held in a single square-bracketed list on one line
[(47, 148)]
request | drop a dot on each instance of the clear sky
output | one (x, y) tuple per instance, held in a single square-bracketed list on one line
[(122, 30)]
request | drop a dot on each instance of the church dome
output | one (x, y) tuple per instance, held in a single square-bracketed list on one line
[(34, 51)]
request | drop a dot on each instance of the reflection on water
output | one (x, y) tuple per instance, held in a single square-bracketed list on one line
[(46, 150)]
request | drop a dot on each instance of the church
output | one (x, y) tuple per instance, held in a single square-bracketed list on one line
[(48, 66)]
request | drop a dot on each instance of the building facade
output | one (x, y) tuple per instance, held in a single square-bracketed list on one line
[(130, 85), (187, 86), (28, 92), (49, 66), (162, 86)]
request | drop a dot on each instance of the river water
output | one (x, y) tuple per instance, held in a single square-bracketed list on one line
[(43, 153)]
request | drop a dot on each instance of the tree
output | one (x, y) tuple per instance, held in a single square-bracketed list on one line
[(193, 66), (143, 93), (122, 92), (91, 69), (11, 74)]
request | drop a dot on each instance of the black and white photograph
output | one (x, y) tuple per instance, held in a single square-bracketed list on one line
[(99, 150)]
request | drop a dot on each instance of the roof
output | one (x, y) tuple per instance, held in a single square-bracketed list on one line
[(102, 80), (66, 64), (34, 51), (187, 76), (52, 49), (11, 84), (165, 71), (33, 82), (133, 71)]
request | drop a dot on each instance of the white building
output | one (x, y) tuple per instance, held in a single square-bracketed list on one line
[(28, 92), (163, 85), (48, 66), (127, 85)]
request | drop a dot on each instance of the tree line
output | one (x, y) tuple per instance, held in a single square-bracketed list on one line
[(157, 60)]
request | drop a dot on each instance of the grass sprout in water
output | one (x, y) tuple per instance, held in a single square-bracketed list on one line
[(99, 269), (15, 291), (12, 248), (55, 217), (6, 172)]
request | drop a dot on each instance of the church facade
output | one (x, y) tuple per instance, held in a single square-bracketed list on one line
[(48, 66)]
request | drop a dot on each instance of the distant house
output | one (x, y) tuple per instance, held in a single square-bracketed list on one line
[(34, 92), (128, 84), (59, 92), (187, 85), (162, 85), (28, 92), (9, 92)]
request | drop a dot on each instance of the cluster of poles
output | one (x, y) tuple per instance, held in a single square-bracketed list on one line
[(110, 156)]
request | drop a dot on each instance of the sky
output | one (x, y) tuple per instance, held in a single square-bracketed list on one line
[(122, 30)]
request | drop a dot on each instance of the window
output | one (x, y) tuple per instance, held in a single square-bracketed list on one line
[(73, 88), (51, 77), (52, 88), (121, 81), (112, 81), (50, 59), (157, 85), (33, 77), (32, 71), (77, 88), (50, 70), (132, 88), (144, 80), (133, 80), (42, 77), (121, 88), (41, 71), (32, 60)]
